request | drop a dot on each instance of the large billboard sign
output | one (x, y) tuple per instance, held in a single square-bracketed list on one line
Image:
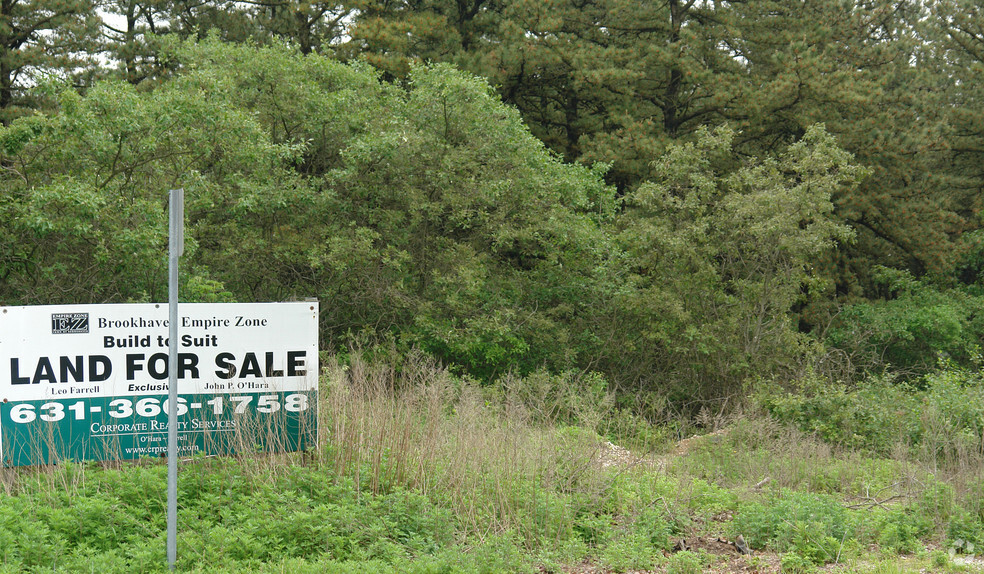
[(90, 382)]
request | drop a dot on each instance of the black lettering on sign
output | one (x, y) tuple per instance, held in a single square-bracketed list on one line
[(70, 370)]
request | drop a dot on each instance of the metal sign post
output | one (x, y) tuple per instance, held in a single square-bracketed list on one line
[(175, 248)]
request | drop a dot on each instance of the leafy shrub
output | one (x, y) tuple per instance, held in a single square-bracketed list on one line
[(966, 528), (793, 563), (635, 545), (705, 499), (940, 416), (811, 525), (717, 262), (939, 559), (874, 416), (630, 550), (914, 323), (899, 530), (498, 554), (686, 562)]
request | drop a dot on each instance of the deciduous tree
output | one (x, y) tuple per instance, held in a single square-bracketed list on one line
[(720, 250)]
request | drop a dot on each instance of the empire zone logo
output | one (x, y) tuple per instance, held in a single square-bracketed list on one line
[(69, 323)]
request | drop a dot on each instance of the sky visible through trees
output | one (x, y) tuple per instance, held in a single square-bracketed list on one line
[(681, 195)]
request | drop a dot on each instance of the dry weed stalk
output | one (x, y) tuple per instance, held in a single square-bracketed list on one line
[(423, 429)]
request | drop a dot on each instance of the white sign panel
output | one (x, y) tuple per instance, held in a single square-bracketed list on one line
[(72, 374)]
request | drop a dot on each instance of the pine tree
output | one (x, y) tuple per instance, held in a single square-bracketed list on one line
[(959, 28), (865, 70), (313, 26), (596, 80), (129, 29), (40, 39)]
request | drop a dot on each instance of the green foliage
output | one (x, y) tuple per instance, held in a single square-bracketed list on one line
[(636, 544), (541, 502), (427, 213), (619, 82), (939, 559), (720, 253), (703, 500), (877, 415), (588, 79), (113, 520), (40, 39), (907, 331), (85, 218), (955, 28), (432, 212), (940, 418), (900, 531), (686, 562), (427, 216), (811, 526), (965, 533), (793, 563)]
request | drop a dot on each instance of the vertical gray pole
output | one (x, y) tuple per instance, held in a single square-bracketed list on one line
[(175, 248)]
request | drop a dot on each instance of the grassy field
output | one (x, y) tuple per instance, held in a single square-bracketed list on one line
[(421, 471)]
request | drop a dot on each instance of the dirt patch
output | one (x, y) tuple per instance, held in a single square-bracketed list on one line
[(612, 455), (684, 447), (724, 556)]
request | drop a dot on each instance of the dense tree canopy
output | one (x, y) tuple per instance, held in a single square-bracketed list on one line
[(617, 81), (683, 195), (719, 250), (430, 214)]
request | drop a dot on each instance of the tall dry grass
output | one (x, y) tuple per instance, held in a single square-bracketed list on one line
[(476, 450)]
